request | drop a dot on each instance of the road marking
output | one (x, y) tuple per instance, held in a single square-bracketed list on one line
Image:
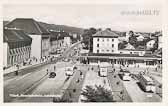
[(22, 95), (23, 76), (15, 79)]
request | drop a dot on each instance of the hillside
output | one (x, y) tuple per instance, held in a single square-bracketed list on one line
[(62, 27)]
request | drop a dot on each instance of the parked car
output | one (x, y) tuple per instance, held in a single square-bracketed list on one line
[(52, 75), (126, 75), (69, 71), (66, 60)]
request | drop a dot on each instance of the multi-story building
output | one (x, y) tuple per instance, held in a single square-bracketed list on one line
[(105, 49), (16, 47), (159, 40), (59, 40), (40, 36), (105, 42)]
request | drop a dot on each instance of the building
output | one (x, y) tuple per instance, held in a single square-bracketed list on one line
[(140, 38), (129, 47), (16, 47), (150, 44), (105, 42), (53, 42), (159, 35), (40, 36), (59, 40), (105, 50)]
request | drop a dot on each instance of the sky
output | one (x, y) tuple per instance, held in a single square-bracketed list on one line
[(119, 17)]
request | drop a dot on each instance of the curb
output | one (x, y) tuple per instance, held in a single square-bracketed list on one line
[(32, 66)]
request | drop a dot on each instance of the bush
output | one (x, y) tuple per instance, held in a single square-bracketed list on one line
[(97, 94)]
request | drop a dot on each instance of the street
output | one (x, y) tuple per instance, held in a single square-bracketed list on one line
[(36, 82), (138, 95), (30, 78)]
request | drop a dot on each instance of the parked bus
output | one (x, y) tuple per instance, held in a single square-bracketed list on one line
[(147, 83)]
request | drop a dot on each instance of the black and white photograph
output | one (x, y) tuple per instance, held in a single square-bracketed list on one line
[(82, 53)]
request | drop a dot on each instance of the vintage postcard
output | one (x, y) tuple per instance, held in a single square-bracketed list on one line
[(83, 52)]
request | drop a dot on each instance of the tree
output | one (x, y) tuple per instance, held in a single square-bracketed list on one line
[(133, 41), (122, 45), (87, 37), (109, 29), (97, 94)]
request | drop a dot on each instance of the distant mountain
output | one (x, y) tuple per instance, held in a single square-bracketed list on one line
[(68, 29)]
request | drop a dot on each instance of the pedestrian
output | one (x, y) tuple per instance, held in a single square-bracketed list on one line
[(54, 68), (82, 76), (70, 95), (77, 81), (47, 71), (16, 72), (104, 81), (114, 70), (81, 73)]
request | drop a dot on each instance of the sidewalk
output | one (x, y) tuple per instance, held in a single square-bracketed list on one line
[(14, 68)]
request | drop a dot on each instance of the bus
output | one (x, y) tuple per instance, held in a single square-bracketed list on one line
[(147, 83)]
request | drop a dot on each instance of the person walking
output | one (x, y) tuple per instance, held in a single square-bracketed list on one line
[(54, 68), (47, 71)]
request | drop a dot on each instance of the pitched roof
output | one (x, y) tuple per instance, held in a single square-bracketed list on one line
[(15, 35), (105, 33), (129, 47), (29, 25)]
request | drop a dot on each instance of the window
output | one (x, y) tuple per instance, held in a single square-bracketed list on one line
[(97, 39), (112, 50), (112, 40), (98, 51), (130, 52), (112, 45), (107, 50), (97, 45)]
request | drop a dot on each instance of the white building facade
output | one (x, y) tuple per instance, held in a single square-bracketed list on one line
[(40, 36), (16, 47), (105, 42)]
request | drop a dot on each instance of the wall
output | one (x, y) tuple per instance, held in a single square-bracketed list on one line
[(159, 42), (45, 46), (140, 53), (36, 46), (67, 41), (106, 45), (53, 46), (5, 54)]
